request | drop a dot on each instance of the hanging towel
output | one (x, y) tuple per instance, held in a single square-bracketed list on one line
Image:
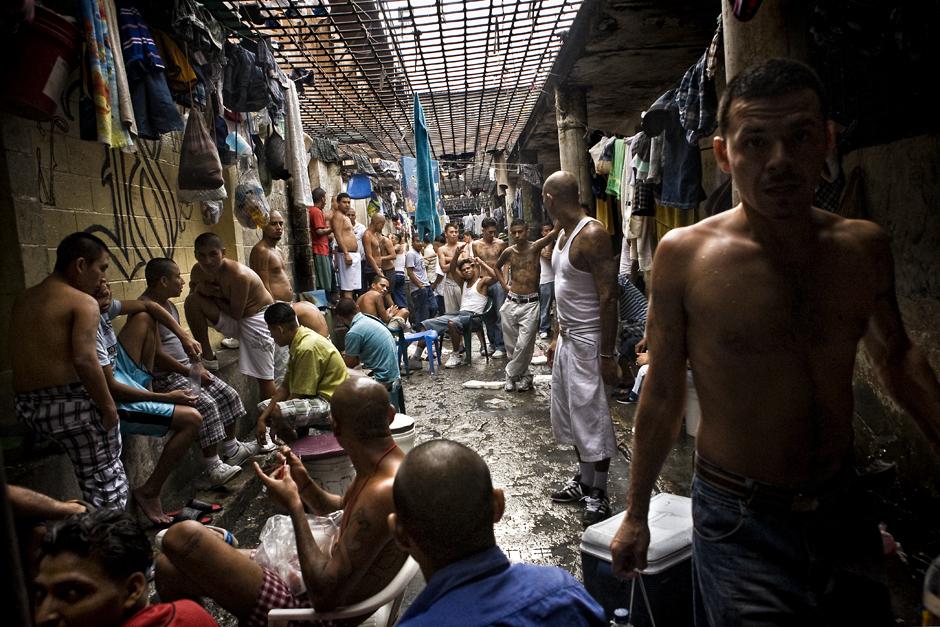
[(613, 179), (297, 156), (125, 105), (104, 92)]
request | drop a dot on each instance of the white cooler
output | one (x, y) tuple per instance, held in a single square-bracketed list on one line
[(668, 575), (403, 432)]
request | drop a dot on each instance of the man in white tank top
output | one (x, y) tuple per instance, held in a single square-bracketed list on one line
[(582, 352), (477, 277)]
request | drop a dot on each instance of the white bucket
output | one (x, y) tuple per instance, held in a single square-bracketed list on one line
[(333, 474), (403, 432)]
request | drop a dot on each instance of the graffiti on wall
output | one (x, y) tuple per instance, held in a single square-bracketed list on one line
[(147, 218)]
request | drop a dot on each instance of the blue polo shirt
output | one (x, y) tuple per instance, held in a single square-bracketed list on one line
[(372, 342), (485, 589)]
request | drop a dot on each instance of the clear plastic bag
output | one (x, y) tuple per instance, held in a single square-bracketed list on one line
[(211, 212), (278, 548), (251, 205)]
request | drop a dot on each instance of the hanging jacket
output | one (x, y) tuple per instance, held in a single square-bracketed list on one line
[(244, 87)]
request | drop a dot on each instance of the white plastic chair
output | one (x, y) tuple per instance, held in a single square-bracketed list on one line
[(381, 608)]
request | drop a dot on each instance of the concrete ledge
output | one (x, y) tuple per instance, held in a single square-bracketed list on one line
[(48, 469)]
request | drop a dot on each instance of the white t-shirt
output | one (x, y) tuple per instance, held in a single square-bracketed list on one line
[(106, 340), (547, 275)]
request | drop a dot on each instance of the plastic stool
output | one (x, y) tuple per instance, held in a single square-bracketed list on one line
[(430, 339)]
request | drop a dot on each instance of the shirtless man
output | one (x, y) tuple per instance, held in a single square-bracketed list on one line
[(266, 260), (519, 315), (374, 246), (373, 304), (348, 257), (586, 289), (448, 254), (488, 248), (231, 297), (365, 558), (768, 302), (61, 392)]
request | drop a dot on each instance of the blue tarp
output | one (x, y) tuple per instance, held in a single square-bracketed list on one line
[(426, 220)]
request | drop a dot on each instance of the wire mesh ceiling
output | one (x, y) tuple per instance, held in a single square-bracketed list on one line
[(477, 66)]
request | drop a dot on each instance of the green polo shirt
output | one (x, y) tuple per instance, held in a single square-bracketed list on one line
[(315, 367)]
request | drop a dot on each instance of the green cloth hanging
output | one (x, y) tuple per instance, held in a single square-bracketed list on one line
[(613, 179)]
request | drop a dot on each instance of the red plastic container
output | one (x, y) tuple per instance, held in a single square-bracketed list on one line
[(44, 55)]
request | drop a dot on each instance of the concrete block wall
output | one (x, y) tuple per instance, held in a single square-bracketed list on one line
[(51, 184)]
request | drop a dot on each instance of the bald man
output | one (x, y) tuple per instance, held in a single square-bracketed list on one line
[(364, 560), (266, 260), (586, 310), (445, 509)]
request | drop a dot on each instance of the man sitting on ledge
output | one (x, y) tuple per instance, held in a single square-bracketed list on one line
[(445, 509), (373, 303), (314, 370), (364, 560)]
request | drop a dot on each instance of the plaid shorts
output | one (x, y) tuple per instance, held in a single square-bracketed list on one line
[(303, 412), (218, 403), (66, 414), (273, 595)]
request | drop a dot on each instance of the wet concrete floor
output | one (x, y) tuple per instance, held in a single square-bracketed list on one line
[(511, 431)]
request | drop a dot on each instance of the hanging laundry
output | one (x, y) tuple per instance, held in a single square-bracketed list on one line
[(245, 87), (194, 24), (682, 162), (613, 179), (698, 105), (153, 104), (125, 103), (274, 76), (297, 156), (103, 84), (180, 74)]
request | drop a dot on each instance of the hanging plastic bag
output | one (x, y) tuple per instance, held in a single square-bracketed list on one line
[(274, 152), (200, 171), (236, 142), (211, 212), (278, 548), (251, 205)]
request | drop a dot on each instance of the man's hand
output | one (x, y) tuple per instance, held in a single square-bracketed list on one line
[(192, 347), (347, 258), (629, 546), (109, 417), (550, 353), (209, 290), (281, 487), (610, 371), (261, 432), (297, 470), (204, 375), (180, 397)]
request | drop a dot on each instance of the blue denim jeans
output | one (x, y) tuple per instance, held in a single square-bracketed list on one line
[(398, 290), (419, 304), (494, 330), (546, 299), (775, 568)]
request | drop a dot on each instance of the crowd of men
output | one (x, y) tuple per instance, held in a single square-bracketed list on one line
[(781, 533)]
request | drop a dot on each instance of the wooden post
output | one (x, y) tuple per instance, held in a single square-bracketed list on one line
[(571, 119)]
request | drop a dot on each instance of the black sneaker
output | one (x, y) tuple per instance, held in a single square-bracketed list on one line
[(625, 398), (596, 507), (571, 492)]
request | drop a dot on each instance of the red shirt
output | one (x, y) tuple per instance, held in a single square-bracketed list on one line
[(319, 243), (177, 614)]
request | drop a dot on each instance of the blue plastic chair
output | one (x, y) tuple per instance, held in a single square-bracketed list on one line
[(430, 340)]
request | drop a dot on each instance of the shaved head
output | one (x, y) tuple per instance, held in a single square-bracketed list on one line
[(360, 406), (444, 500), (563, 186)]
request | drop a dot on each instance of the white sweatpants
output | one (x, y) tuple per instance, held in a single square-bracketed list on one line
[(520, 324)]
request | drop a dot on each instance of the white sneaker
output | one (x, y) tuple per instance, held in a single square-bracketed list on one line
[(454, 361), (498, 354), (267, 447), (220, 473), (241, 455), (543, 335), (211, 364), (231, 342)]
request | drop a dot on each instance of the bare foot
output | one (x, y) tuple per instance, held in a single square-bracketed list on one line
[(152, 508)]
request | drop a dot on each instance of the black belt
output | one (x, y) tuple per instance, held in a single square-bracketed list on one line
[(522, 300), (764, 496)]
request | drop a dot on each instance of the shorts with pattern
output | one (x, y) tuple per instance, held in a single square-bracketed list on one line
[(274, 594), (218, 402), (303, 412), (66, 414)]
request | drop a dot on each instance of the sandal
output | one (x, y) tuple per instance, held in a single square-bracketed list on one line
[(205, 506), (188, 513)]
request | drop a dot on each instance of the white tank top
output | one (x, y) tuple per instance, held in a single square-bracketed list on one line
[(576, 302), (472, 300)]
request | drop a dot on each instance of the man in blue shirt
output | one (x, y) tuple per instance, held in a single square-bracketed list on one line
[(370, 343), (445, 509)]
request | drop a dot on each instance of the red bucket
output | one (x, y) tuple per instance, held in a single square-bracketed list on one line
[(43, 56)]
